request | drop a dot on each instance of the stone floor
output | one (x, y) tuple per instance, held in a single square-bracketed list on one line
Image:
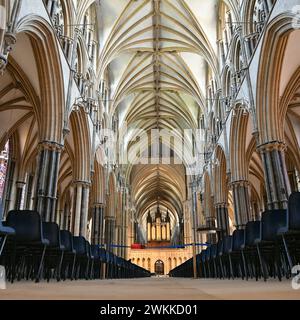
[(151, 288)]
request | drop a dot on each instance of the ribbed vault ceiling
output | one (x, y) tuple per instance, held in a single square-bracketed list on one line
[(158, 54)]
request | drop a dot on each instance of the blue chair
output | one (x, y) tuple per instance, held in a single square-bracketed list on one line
[(220, 250), (252, 250), (56, 250), (228, 247), (69, 260), (82, 259), (29, 239), (5, 232), (238, 247), (290, 232), (213, 257), (96, 263), (207, 261), (271, 222), (203, 263)]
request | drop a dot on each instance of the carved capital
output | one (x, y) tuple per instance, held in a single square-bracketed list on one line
[(271, 146), (84, 184), (20, 184), (221, 205), (99, 205), (50, 145), (239, 183)]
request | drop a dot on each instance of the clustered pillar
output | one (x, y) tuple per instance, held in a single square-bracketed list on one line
[(97, 231), (81, 197), (47, 176), (240, 190), (109, 232), (19, 192), (222, 219), (124, 222), (276, 178), (211, 224)]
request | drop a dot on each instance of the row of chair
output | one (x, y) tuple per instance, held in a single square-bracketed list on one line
[(266, 248), (32, 249)]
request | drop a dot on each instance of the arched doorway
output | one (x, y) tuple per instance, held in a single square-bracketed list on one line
[(159, 268)]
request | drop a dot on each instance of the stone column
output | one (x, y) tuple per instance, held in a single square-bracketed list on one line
[(276, 178), (136, 232), (97, 233), (126, 242), (131, 224), (80, 207), (119, 240), (28, 199), (124, 222), (2, 26), (66, 218), (19, 193), (84, 209), (241, 201), (211, 223), (194, 219), (7, 196), (109, 232), (47, 177), (222, 219)]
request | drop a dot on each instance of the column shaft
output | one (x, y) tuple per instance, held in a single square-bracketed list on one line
[(80, 213), (222, 219), (47, 176), (77, 209), (109, 232), (19, 194), (241, 203), (276, 178), (84, 210)]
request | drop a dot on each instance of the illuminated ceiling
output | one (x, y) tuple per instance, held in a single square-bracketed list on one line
[(158, 55)]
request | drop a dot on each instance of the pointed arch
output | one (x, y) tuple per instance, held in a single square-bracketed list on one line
[(269, 113), (46, 51), (238, 136), (220, 177), (82, 145)]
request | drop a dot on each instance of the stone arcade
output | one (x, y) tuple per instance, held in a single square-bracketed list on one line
[(152, 128)]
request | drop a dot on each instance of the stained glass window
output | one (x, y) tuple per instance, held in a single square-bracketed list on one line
[(3, 168)]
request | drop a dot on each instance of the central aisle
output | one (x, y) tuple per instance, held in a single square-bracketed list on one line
[(151, 288)]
